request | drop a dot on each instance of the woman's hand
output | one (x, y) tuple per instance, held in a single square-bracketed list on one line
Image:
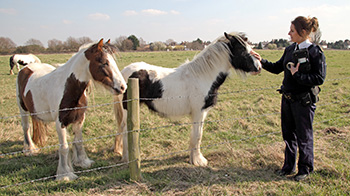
[(256, 55), (293, 69)]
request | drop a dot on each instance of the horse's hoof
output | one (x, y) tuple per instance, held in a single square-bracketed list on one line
[(31, 151), (85, 163), (199, 161), (117, 151), (67, 177), (124, 159)]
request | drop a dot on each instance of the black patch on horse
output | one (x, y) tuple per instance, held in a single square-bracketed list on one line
[(148, 89), (22, 63), (211, 98), (239, 57)]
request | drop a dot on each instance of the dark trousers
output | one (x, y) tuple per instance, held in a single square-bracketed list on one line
[(297, 132)]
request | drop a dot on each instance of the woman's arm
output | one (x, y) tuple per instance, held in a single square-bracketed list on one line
[(275, 68)]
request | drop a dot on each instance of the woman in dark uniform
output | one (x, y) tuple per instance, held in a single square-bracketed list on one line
[(304, 67)]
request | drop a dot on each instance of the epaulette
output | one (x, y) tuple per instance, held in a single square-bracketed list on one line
[(317, 46)]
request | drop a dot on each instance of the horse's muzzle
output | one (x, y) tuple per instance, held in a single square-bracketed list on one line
[(259, 68), (120, 90)]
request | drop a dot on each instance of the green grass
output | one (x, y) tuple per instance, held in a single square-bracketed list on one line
[(247, 108)]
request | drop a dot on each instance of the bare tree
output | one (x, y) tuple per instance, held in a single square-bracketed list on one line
[(71, 44), (126, 45), (55, 45), (142, 42), (170, 42), (84, 40), (119, 41), (7, 46), (31, 46), (32, 41)]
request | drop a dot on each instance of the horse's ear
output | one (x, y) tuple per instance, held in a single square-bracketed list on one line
[(232, 38), (229, 37), (100, 44), (109, 41)]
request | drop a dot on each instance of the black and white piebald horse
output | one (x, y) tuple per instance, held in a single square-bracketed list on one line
[(22, 59), (196, 81)]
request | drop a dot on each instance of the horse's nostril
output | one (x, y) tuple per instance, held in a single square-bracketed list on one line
[(122, 88)]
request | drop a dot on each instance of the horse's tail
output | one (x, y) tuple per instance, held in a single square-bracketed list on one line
[(39, 132), (118, 113), (12, 64)]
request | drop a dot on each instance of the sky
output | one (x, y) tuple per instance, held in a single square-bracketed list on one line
[(160, 20)]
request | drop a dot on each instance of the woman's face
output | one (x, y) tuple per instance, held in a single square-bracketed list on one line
[(294, 36)]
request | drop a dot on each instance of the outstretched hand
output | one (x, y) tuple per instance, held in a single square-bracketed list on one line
[(256, 55)]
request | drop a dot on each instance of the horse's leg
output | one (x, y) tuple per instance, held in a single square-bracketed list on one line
[(121, 140), (123, 129), (196, 156), (64, 169), (118, 113), (17, 65), (80, 157), (29, 146)]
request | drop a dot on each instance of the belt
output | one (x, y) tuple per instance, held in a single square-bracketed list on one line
[(289, 96), (295, 97)]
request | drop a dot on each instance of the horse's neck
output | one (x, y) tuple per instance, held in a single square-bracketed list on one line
[(79, 66), (210, 62)]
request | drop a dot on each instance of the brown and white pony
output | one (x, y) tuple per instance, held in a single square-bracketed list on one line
[(59, 94), (22, 59), (197, 82)]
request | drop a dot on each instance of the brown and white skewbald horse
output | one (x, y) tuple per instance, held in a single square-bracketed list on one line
[(48, 94)]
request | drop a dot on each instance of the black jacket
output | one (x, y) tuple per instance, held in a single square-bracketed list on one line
[(299, 82)]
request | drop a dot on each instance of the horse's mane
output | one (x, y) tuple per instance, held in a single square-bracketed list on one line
[(86, 46), (109, 48), (215, 54)]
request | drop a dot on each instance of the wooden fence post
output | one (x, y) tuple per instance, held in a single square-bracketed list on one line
[(134, 126)]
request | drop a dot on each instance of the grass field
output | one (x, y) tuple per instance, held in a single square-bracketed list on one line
[(241, 140)]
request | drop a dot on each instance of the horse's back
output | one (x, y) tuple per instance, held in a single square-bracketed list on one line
[(160, 82), (152, 70), (26, 58), (30, 78), (40, 69)]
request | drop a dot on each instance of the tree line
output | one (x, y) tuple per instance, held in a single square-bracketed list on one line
[(123, 43), (132, 43)]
